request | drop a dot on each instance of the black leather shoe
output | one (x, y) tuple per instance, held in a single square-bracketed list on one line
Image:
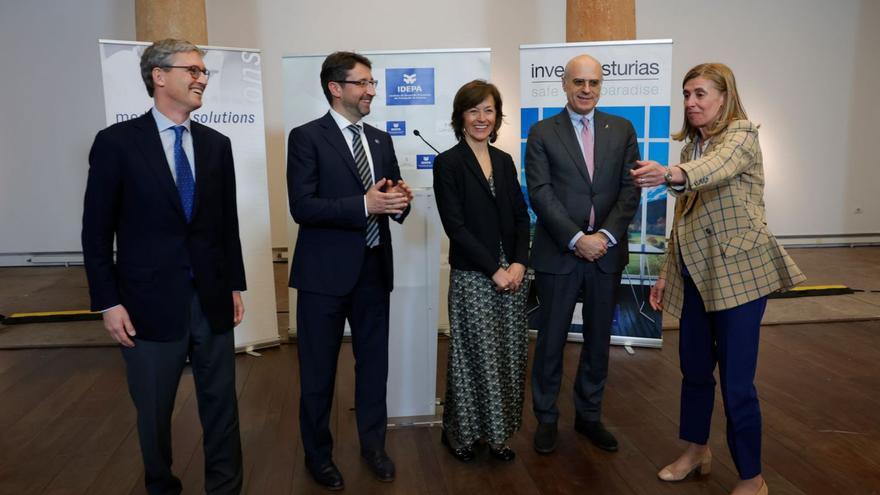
[(463, 454), (380, 464), (504, 453), (596, 432), (545, 438), (327, 475)]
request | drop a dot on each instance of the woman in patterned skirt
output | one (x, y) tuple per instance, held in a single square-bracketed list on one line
[(484, 215)]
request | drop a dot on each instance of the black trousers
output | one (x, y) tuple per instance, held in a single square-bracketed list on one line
[(154, 370), (320, 325), (558, 295)]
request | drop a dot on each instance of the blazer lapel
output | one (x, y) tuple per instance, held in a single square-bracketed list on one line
[(690, 197), (376, 151), (472, 165), (150, 146), (334, 136), (601, 142), (565, 132)]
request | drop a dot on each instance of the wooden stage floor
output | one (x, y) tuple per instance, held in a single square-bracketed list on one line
[(68, 426)]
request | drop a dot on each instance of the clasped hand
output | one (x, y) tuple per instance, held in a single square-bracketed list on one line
[(388, 198), (509, 279), (591, 247)]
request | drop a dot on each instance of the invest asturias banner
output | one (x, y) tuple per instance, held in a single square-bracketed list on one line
[(636, 86)]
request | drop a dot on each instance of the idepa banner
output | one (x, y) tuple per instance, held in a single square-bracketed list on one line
[(415, 93), (636, 86)]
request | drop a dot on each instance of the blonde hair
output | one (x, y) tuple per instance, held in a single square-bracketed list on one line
[(722, 77)]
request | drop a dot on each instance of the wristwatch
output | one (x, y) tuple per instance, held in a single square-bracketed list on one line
[(668, 177)]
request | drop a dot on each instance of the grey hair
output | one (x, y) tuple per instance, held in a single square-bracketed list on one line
[(159, 54)]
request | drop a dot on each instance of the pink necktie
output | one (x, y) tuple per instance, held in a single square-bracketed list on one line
[(587, 143)]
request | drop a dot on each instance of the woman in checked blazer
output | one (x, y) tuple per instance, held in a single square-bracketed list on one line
[(721, 263)]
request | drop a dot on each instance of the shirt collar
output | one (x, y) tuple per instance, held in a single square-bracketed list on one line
[(343, 122), (164, 123), (576, 117)]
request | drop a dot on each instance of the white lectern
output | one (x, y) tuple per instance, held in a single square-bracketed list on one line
[(412, 343)]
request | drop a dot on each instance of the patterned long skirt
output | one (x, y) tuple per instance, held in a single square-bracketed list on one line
[(488, 349)]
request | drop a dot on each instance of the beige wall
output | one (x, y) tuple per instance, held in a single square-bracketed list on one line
[(51, 106), (809, 73)]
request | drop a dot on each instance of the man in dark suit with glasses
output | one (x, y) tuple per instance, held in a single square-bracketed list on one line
[(163, 186), (343, 185)]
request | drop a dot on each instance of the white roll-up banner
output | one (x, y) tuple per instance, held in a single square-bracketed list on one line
[(232, 105)]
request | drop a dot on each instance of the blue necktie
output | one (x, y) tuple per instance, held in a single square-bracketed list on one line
[(186, 184)]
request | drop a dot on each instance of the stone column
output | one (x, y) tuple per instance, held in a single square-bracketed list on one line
[(182, 19), (600, 20)]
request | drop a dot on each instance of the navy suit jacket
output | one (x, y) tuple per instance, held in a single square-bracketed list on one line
[(561, 191), (326, 197), (131, 196)]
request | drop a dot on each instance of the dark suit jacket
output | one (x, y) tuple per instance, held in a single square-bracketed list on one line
[(561, 192), (131, 196), (475, 221), (327, 201)]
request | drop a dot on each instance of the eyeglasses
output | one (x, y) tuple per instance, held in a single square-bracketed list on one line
[(582, 83), (194, 70), (363, 83)]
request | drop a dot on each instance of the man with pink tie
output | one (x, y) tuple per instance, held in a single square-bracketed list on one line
[(577, 170)]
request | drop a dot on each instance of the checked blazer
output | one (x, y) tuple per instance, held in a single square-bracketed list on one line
[(720, 227)]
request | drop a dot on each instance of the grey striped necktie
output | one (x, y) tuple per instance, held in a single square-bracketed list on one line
[(363, 166)]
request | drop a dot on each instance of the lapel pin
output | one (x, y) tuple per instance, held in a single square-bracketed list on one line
[(376, 141)]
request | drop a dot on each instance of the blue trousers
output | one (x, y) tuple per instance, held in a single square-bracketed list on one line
[(728, 338)]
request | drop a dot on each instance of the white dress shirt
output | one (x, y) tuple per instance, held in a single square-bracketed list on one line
[(166, 134)]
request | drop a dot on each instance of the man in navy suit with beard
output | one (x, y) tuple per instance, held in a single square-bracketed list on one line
[(163, 187), (343, 185)]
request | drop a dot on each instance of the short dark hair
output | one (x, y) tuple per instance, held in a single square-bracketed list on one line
[(336, 67), (469, 96), (160, 54)]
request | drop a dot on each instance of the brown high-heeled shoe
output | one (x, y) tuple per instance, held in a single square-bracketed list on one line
[(702, 467), (761, 491)]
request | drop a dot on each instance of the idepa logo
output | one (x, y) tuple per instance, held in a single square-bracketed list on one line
[(425, 161), (410, 86), (396, 127)]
